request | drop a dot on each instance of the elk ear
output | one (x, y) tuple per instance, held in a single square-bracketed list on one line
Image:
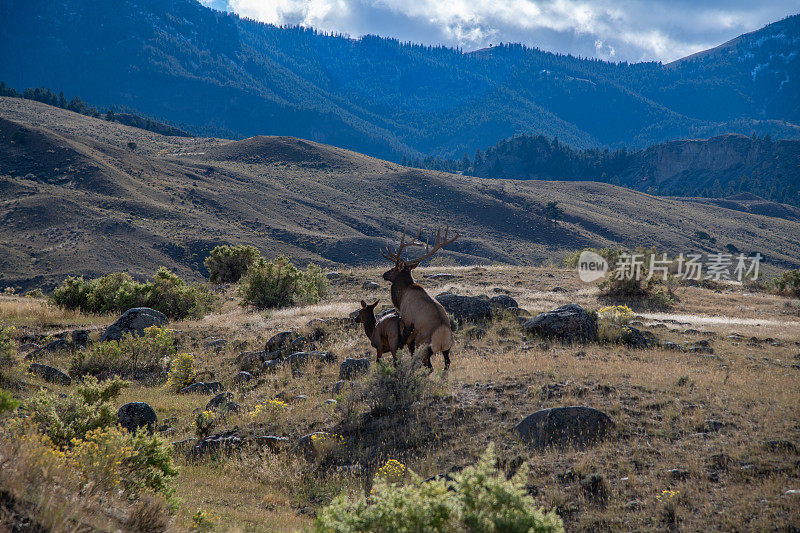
[(376, 303), (363, 304)]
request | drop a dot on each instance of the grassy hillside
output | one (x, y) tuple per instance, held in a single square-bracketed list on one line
[(76, 197)]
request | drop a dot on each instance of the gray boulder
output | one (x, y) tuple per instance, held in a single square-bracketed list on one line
[(220, 443), (202, 388), (280, 341), (299, 359), (274, 443), (370, 286), (135, 415), (468, 308), (351, 368), (242, 378), (503, 301), (80, 337), (562, 426), (134, 321), (632, 337), (49, 374), (569, 322)]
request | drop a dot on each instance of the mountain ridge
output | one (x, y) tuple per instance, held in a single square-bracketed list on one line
[(217, 74)]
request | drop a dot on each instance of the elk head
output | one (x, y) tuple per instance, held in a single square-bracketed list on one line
[(402, 267), (366, 312)]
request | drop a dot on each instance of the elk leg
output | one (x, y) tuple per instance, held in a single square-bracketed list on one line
[(446, 354), (426, 359), (394, 356), (380, 354)]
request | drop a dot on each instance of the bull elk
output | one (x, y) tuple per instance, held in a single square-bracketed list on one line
[(427, 317), (387, 334)]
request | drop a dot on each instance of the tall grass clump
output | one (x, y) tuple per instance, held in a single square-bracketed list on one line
[(227, 264), (279, 283), (477, 499), (118, 292)]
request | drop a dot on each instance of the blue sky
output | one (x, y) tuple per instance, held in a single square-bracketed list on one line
[(661, 30)]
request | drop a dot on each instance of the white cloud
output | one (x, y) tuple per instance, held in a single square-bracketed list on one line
[(623, 30)]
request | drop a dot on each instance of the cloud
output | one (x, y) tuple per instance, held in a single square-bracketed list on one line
[(629, 30)]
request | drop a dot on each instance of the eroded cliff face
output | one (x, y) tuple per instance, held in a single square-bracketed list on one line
[(664, 162)]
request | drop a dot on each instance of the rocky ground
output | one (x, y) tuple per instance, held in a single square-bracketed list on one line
[(689, 423)]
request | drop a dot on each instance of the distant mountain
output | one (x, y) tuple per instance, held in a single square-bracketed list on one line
[(82, 195), (714, 168), (217, 74)]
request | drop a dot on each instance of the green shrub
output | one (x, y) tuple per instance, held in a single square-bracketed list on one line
[(35, 293), (7, 402), (146, 353), (118, 292), (83, 429), (478, 499), (279, 283), (227, 264), (85, 409), (788, 283)]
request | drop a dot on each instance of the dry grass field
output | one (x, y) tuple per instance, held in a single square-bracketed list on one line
[(720, 429)]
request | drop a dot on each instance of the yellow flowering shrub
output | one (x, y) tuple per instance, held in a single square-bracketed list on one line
[(268, 408), (181, 371), (102, 455), (326, 443), (392, 472), (204, 423), (615, 314), (203, 521)]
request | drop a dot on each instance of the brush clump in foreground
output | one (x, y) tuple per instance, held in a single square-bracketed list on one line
[(704, 416)]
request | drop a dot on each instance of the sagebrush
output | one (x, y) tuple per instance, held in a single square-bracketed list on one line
[(279, 283)]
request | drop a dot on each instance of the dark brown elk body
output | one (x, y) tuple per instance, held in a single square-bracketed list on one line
[(387, 334), (418, 309)]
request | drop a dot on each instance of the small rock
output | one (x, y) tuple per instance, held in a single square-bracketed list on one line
[(677, 474), (49, 374), (340, 385), (558, 289), (668, 345), (503, 301), (135, 415), (219, 399), (330, 401), (331, 276), (216, 344), (280, 341), (225, 442), (441, 276), (250, 361), (352, 367), (562, 426), (781, 446), (792, 492), (202, 388), (370, 286), (80, 337), (242, 377), (568, 322), (29, 347), (274, 443)]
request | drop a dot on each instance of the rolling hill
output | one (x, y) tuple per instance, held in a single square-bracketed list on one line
[(75, 198), (214, 73)]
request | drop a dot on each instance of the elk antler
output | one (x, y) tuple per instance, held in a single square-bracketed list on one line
[(396, 257), (440, 243)]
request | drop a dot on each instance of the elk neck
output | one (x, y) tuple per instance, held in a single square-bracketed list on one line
[(400, 285), (369, 324)]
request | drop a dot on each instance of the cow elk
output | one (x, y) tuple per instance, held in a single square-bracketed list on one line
[(387, 334), (427, 317)]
